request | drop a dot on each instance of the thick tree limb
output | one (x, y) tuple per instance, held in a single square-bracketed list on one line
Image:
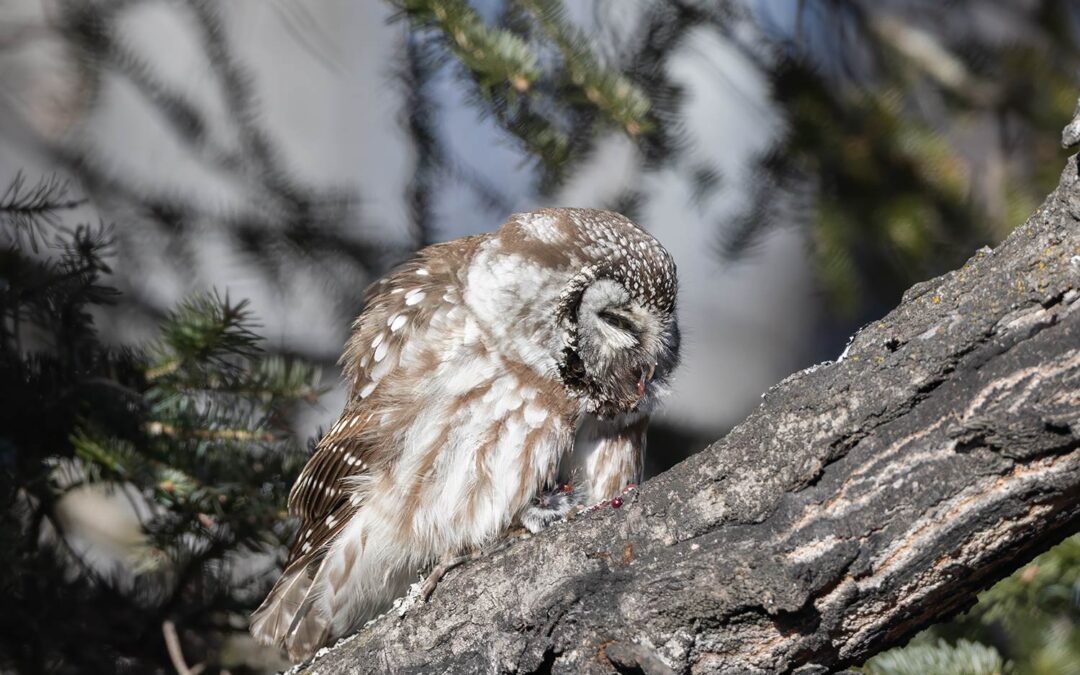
[(862, 501)]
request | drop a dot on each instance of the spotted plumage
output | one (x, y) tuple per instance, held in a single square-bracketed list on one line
[(471, 370)]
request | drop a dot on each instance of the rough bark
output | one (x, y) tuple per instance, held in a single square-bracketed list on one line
[(863, 500)]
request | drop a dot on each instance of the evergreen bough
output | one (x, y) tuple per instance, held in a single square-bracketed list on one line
[(191, 431)]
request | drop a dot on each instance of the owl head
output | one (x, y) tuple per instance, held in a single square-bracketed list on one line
[(617, 314)]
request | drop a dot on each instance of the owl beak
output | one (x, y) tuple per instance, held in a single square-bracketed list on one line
[(646, 377)]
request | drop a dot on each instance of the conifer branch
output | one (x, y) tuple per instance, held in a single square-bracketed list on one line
[(611, 92), (502, 68), (164, 429), (30, 210), (496, 57)]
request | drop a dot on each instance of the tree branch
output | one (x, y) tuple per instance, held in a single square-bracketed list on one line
[(863, 500)]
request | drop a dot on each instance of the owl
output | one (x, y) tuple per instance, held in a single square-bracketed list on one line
[(476, 371)]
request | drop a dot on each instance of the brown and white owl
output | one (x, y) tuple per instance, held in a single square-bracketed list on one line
[(472, 370)]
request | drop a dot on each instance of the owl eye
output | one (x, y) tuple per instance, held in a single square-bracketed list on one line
[(616, 320)]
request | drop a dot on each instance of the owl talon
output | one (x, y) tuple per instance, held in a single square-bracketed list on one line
[(444, 565), (550, 507)]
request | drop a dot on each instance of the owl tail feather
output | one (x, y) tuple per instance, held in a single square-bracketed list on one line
[(285, 618)]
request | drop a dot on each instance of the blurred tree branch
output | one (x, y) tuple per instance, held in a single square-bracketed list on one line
[(864, 500)]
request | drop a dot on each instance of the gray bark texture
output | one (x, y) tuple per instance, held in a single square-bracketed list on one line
[(863, 500)]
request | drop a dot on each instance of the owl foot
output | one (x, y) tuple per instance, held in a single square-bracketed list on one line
[(550, 507)]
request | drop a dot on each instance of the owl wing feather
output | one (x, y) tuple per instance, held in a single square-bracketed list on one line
[(340, 454), (281, 614), (324, 510)]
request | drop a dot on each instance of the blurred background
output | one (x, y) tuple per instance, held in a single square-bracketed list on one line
[(195, 193)]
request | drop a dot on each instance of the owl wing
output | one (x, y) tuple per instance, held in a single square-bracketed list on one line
[(403, 314), (398, 314)]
